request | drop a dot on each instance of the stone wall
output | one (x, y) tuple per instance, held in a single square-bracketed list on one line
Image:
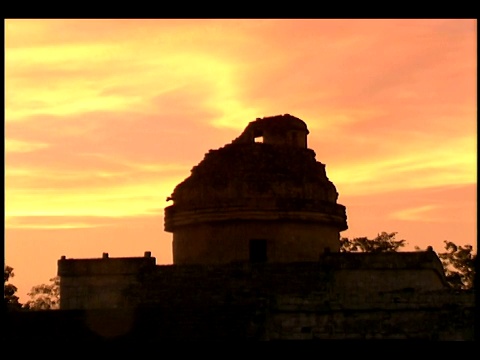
[(124, 282), (420, 316), (99, 283), (223, 243), (340, 296)]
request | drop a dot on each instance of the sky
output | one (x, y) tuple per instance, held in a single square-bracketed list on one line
[(104, 117)]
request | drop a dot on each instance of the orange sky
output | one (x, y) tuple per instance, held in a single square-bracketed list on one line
[(104, 117)]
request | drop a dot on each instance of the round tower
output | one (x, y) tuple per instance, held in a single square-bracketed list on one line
[(261, 198)]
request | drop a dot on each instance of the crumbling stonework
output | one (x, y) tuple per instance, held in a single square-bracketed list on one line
[(273, 191), (256, 257), (340, 296)]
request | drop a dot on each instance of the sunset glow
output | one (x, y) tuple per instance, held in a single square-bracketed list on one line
[(103, 118)]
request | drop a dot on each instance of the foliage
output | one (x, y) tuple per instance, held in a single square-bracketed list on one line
[(45, 296), (384, 242), (458, 261), (10, 299), (459, 264)]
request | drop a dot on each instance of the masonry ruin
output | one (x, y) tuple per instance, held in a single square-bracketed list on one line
[(256, 230), (257, 201)]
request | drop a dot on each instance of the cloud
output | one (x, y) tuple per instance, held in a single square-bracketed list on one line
[(42, 194), (423, 217), (19, 146), (104, 117), (78, 222), (417, 213), (411, 167)]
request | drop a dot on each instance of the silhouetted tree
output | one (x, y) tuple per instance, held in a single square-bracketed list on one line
[(459, 264), (10, 299), (45, 296), (384, 242), (458, 261)]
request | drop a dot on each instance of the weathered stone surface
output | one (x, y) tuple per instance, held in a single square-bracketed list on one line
[(276, 196), (275, 190), (338, 297)]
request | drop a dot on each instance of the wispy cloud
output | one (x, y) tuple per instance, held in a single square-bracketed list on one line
[(104, 117), (422, 213), (18, 146)]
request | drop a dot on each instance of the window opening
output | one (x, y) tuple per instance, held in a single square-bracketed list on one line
[(258, 250)]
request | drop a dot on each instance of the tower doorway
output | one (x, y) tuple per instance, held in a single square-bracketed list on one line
[(258, 250)]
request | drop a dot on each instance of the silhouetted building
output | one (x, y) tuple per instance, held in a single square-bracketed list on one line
[(256, 230), (267, 201)]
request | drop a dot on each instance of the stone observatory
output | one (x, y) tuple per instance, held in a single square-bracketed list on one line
[(256, 236), (262, 198)]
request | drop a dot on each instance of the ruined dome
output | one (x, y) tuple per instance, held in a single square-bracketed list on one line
[(249, 185)]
